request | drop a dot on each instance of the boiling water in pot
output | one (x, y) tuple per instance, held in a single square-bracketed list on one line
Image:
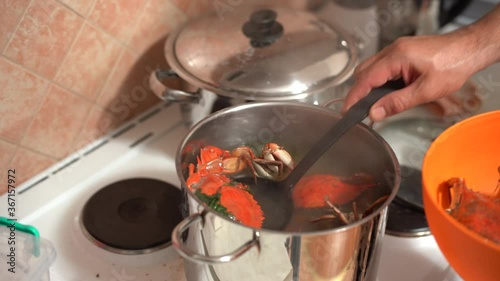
[(314, 219), (282, 212), (325, 202), (359, 163)]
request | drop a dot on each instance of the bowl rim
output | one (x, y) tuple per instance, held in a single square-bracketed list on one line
[(468, 232)]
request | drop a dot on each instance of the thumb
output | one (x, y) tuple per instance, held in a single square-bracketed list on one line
[(395, 102)]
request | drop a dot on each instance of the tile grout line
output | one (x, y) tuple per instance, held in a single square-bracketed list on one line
[(63, 61), (49, 82), (38, 152), (94, 103), (136, 26), (16, 147), (52, 81), (99, 28), (75, 11), (115, 63), (25, 68), (55, 160), (92, 7), (172, 5), (45, 78), (126, 48), (17, 27), (7, 141), (13, 156), (42, 100), (74, 142), (78, 33), (111, 73), (72, 147), (94, 25), (33, 121)]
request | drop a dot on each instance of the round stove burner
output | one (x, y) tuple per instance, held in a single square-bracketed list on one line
[(406, 216), (406, 222), (133, 215), (410, 189)]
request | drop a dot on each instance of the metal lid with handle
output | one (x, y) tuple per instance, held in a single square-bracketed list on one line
[(260, 54)]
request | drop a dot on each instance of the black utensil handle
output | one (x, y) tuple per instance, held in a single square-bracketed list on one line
[(361, 109), (354, 115)]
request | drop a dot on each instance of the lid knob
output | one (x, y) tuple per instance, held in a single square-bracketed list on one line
[(262, 28)]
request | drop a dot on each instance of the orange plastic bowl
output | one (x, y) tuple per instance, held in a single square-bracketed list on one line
[(469, 149)]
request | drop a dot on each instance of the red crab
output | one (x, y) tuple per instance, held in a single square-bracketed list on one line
[(325, 190), (314, 191), (209, 180), (478, 212)]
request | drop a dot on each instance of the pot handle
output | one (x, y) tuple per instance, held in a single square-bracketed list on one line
[(207, 259), (165, 93)]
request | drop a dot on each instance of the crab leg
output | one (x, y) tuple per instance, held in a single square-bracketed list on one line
[(263, 168), (457, 186), (325, 217), (374, 205), (342, 216), (273, 151), (496, 192), (355, 211)]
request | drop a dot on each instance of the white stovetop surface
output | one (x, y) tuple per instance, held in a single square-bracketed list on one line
[(53, 207)]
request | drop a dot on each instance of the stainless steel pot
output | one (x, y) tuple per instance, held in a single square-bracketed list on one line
[(217, 248), (258, 53)]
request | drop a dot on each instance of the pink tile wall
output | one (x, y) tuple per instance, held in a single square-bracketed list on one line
[(66, 66), (68, 69)]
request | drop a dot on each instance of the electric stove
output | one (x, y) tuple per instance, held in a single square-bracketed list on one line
[(127, 181)]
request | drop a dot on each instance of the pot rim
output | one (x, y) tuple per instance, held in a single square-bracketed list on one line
[(170, 55), (209, 118)]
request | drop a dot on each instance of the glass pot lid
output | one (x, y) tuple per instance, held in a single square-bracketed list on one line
[(261, 54)]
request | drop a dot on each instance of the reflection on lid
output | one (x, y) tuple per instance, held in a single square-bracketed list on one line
[(308, 57)]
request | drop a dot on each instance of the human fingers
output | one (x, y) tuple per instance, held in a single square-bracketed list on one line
[(424, 89), (356, 91), (392, 103), (364, 64), (372, 76), (372, 59)]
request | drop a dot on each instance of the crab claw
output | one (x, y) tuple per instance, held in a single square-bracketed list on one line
[(272, 151), (209, 153), (233, 165), (274, 160)]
